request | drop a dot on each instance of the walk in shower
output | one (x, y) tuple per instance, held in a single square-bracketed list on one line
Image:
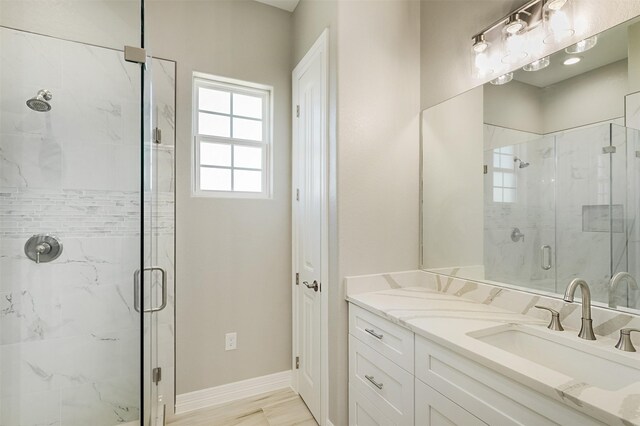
[(86, 207), (572, 212)]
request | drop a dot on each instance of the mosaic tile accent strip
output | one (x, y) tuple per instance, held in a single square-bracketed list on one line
[(79, 213)]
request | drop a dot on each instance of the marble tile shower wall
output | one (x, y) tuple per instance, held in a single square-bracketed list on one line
[(69, 335), (551, 194)]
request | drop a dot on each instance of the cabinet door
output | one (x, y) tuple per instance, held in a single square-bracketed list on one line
[(363, 412), (433, 409)]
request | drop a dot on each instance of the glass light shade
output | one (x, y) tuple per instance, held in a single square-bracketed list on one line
[(516, 49), (483, 66), (583, 46), (559, 27), (503, 79), (537, 65)]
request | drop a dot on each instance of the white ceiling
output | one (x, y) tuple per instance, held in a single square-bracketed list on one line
[(288, 5)]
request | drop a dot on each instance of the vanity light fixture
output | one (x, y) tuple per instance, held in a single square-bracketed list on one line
[(503, 79), (537, 65), (522, 34), (572, 61), (583, 45)]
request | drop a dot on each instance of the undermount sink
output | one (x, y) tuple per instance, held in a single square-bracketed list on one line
[(584, 362)]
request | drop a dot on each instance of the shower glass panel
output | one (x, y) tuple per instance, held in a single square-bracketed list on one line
[(633, 215), (70, 335), (583, 214), (563, 206)]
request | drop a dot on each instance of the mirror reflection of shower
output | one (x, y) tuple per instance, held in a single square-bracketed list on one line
[(40, 102), (522, 165)]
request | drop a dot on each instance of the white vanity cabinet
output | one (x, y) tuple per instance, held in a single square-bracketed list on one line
[(381, 378), (397, 378)]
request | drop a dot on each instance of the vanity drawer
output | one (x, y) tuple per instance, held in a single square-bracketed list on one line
[(488, 395), (391, 340), (434, 409), (385, 384)]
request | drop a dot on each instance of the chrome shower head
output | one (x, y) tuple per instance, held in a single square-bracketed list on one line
[(40, 102), (523, 164)]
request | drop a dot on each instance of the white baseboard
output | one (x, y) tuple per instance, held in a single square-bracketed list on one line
[(231, 392)]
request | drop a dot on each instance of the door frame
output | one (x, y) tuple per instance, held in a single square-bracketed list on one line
[(319, 48)]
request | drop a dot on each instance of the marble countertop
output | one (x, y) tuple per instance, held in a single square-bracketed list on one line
[(447, 319)]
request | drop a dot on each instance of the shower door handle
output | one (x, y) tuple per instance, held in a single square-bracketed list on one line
[(545, 257), (136, 289)]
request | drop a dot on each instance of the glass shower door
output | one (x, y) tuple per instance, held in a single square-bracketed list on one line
[(519, 238), (70, 229)]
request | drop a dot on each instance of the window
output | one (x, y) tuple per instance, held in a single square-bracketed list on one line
[(504, 176), (232, 137)]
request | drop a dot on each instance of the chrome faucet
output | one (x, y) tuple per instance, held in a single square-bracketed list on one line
[(613, 285), (586, 330)]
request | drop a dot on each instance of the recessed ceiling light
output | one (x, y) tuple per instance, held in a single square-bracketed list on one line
[(555, 4), (480, 44), (503, 79), (582, 46), (514, 24), (572, 61), (537, 65)]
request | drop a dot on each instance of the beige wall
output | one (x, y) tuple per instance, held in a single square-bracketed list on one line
[(634, 58), (453, 227), (448, 25), (565, 105), (588, 98), (515, 105), (378, 155), (101, 22), (233, 257)]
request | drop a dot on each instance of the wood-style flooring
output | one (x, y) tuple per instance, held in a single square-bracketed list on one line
[(279, 408)]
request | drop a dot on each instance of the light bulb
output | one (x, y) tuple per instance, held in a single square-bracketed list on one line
[(572, 61)]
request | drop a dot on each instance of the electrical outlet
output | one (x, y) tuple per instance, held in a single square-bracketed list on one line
[(230, 341)]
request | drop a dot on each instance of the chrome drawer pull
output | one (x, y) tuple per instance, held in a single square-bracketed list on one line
[(374, 334), (376, 384)]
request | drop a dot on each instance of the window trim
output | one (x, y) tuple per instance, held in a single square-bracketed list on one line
[(240, 87)]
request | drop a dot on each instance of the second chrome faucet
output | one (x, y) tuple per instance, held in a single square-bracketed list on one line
[(586, 329)]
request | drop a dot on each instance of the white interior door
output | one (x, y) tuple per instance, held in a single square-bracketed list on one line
[(309, 209)]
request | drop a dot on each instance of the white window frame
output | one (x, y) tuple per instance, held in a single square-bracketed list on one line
[(239, 87)]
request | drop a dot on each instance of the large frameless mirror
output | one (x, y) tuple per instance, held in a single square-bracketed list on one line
[(532, 179)]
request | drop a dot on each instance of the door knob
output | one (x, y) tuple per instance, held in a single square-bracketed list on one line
[(315, 286)]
